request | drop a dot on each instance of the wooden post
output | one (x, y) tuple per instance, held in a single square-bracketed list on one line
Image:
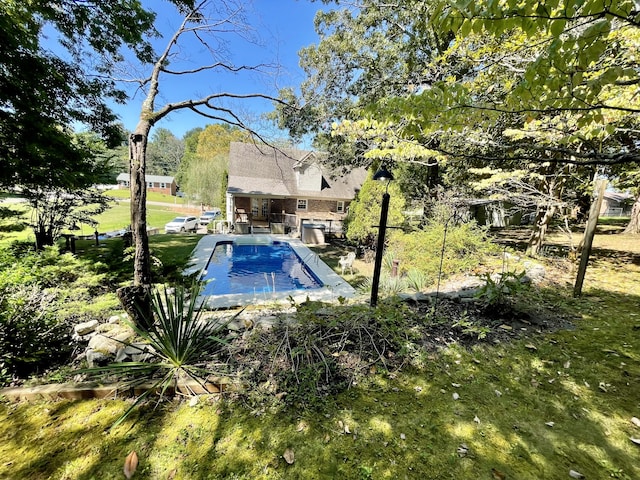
[(592, 222)]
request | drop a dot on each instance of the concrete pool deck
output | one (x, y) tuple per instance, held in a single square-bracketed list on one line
[(334, 286)]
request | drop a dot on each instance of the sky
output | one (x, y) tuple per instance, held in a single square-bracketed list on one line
[(285, 26)]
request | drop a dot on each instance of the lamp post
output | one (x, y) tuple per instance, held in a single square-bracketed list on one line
[(382, 175)]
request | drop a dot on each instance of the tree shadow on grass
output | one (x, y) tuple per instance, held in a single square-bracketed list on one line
[(529, 407)]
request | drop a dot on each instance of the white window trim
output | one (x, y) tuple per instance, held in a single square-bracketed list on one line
[(340, 206), (306, 204)]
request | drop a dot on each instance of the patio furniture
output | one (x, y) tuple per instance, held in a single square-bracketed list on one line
[(346, 261)]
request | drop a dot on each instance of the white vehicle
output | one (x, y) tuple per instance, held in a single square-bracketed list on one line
[(181, 224), (209, 216)]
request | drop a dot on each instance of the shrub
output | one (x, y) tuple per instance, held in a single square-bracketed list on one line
[(465, 246), (364, 211), (32, 338), (41, 295)]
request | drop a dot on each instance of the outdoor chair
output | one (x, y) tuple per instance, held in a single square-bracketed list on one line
[(346, 261)]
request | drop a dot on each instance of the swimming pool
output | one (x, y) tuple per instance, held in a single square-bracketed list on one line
[(333, 286), (257, 269)]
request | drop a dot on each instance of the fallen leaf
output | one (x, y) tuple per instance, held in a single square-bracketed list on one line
[(172, 474), (301, 426), (476, 419), (289, 457), (463, 450), (635, 440), (456, 385), (194, 401), (602, 387), (403, 436), (549, 424), (567, 364), (130, 464), (346, 429), (456, 396), (635, 421), (574, 474), (505, 327), (531, 346), (497, 474), (498, 393)]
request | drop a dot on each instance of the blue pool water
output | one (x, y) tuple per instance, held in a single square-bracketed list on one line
[(257, 269)]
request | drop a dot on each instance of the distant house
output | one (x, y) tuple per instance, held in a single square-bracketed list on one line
[(286, 187), (155, 183), (616, 204)]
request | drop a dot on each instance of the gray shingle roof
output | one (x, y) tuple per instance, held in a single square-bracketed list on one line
[(262, 170)]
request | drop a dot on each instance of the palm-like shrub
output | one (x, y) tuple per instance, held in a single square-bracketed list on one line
[(181, 343)]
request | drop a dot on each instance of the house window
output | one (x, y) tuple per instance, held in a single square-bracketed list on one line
[(163, 185), (150, 184), (340, 206), (302, 204)]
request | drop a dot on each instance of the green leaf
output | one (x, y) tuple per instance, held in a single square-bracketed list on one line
[(465, 29), (557, 27)]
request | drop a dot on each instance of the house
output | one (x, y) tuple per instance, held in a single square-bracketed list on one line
[(282, 189), (616, 204), (155, 183)]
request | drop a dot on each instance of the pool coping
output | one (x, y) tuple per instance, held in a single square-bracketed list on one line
[(334, 286)]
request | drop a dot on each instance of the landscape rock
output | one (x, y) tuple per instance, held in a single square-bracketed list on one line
[(95, 359), (85, 328), (534, 273), (111, 340), (117, 318)]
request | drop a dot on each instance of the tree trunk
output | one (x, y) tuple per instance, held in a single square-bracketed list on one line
[(137, 165), (589, 232), (44, 238), (136, 300), (634, 223), (543, 218)]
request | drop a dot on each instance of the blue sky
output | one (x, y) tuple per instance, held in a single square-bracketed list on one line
[(285, 27)]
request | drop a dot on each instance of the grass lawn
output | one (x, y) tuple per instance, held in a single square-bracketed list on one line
[(115, 218), (118, 217), (533, 408), (151, 196)]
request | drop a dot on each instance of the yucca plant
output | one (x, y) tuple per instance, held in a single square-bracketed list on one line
[(416, 279), (180, 342)]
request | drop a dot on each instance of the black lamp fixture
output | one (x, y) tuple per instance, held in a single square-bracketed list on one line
[(382, 175)]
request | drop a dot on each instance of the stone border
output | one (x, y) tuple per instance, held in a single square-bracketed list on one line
[(69, 391)]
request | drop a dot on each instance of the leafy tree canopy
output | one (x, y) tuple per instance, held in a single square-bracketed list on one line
[(486, 80), (43, 95)]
